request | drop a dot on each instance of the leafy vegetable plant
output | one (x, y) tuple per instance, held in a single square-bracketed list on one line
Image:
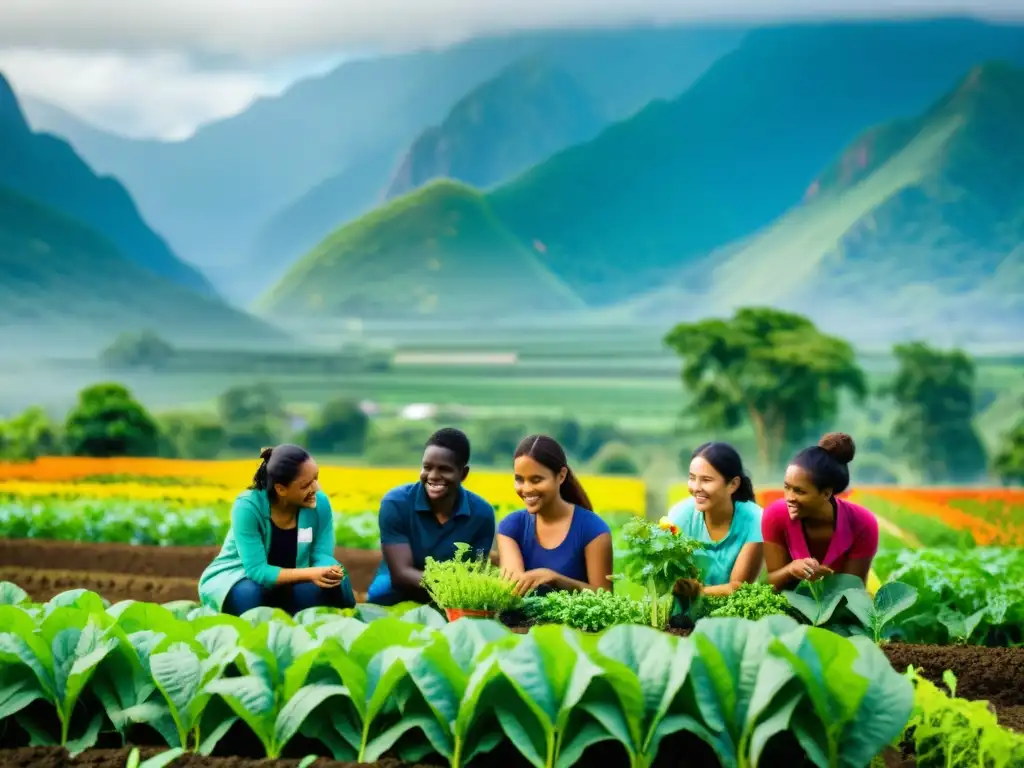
[(841, 603), (418, 687), (656, 557), (947, 731), (749, 601), (469, 583), (590, 611)]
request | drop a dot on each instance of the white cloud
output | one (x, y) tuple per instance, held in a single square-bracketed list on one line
[(130, 66), (143, 95), (262, 28)]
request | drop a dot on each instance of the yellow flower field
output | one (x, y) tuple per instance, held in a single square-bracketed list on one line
[(351, 489)]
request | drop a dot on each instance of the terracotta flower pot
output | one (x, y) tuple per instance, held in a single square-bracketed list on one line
[(458, 613)]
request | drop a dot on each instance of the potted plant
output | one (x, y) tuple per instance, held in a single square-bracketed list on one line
[(468, 586)]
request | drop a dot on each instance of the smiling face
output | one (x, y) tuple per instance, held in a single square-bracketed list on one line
[(537, 485), (802, 497), (301, 492), (441, 473), (707, 486)]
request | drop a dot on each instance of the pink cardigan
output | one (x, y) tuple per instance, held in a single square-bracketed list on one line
[(855, 537)]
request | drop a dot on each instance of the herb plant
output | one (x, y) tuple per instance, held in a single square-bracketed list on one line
[(469, 583), (587, 610), (656, 557), (749, 601)]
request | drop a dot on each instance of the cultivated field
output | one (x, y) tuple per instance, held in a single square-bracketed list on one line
[(77, 530)]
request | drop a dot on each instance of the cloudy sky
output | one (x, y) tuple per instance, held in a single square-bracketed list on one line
[(160, 68)]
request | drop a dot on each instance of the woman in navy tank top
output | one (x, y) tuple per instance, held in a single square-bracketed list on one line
[(557, 542)]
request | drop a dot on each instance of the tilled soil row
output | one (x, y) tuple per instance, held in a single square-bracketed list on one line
[(20, 556)]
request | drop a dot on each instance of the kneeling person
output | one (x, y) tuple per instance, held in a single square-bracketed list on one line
[(279, 551), (427, 519)]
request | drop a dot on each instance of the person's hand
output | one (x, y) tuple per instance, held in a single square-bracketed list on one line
[(330, 577), (510, 574), (808, 569), (687, 588), (530, 580)]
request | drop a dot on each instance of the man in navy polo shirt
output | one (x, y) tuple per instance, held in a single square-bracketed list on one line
[(427, 519)]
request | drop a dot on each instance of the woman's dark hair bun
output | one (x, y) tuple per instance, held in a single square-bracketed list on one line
[(839, 446), (265, 453)]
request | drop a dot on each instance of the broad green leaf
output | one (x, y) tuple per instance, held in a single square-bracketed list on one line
[(645, 670), (298, 708), (12, 594), (830, 593), (425, 615), (775, 721), (263, 614), (82, 599), (861, 703), (550, 672), (883, 711), (163, 759), (726, 674)]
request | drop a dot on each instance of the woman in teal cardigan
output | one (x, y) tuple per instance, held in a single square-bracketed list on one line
[(280, 549)]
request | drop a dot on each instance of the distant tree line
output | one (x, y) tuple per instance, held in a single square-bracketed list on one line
[(767, 371), (108, 421), (777, 373)]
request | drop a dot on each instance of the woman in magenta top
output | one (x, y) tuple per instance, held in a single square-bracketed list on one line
[(811, 532)]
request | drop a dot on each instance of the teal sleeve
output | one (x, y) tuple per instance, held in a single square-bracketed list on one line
[(323, 547), (753, 515), (251, 547)]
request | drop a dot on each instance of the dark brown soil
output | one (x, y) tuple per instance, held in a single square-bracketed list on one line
[(43, 584), (172, 573), (995, 675), (56, 757)]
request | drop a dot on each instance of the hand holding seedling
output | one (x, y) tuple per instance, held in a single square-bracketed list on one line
[(530, 580), (330, 577), (686, 588), (808, 569)]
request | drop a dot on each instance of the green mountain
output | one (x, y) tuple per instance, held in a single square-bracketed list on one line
[(917, 228), (63, 284), (438, 251), (527, 113), (212, 194), (624, 212), (47, 169), (628, 210)]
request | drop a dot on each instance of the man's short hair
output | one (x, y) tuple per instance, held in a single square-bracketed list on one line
[(454, 440)]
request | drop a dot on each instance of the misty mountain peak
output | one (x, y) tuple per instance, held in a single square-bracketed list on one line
[(11, 116)]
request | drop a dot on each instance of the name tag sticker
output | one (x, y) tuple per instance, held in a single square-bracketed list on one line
[(305, 535)]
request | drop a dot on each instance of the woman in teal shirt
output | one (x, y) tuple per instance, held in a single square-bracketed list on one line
[(279, 551), (722, 513)]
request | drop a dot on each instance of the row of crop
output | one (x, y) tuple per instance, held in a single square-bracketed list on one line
[(416, 686), (352, 489), (929, 596), (157, 523)]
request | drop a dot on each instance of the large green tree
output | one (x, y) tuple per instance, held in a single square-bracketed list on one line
[(108, 421), (1008, 464), (340, 428), (253, 416), (29, 435), (772, 369), (934, 427)]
